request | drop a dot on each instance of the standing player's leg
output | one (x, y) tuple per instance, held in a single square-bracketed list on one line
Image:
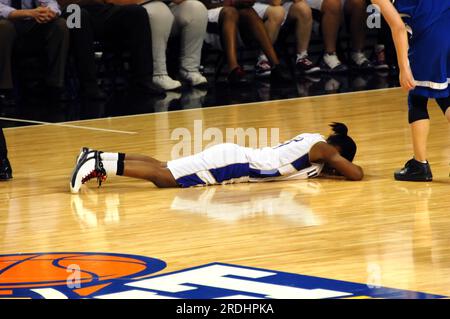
[(444, 104), (418, 168), (5, 166)]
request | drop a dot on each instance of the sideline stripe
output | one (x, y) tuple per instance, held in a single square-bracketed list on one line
[(63, 124), (214, 107)]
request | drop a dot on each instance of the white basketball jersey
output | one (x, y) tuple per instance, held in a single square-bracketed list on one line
[(287, 161)]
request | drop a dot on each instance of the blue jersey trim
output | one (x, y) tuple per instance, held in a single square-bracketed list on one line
[(190, 180), (301, 163), (231, 171), (258, 173)]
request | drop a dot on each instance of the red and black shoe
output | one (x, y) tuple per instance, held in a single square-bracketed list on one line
[(87, 169), (237, 76)]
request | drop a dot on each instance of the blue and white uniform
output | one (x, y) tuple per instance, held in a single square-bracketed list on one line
[(429, 54), (231, 163)]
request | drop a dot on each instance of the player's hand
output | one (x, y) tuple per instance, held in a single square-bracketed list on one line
[(407, 79)]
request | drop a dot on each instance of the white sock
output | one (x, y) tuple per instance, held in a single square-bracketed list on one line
[(262, 57), (110, 167), (302, 55), (109, 156)]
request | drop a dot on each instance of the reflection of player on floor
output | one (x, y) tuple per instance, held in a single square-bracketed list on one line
[(302, 157), (425, 73)]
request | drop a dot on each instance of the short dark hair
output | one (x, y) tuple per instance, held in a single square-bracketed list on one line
[(342, 140)]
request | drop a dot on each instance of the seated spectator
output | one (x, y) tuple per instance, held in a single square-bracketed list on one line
[(33, 23), (235, 22), (332, 13), (115, 27), (187, 18), (273, 15), (296, 14)]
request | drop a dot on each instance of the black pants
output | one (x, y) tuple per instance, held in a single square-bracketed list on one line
[(3, 149), (53, 37), (123, 28)]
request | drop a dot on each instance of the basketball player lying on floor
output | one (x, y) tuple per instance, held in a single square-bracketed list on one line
[(305, 156)]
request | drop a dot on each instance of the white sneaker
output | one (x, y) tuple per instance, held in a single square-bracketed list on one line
[(193, 78), (87, 169), (84, 153), (165, 82)]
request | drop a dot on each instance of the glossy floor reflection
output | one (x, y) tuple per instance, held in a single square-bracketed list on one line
[(216, 94), (328, 228)]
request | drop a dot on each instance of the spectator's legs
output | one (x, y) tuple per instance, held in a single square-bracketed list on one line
[(274, 18), (357, 11), (228, 22), (191, 19), (252, 27), (82, 50), (331, 21), (7, 37), (56, 36), (301, 14), (129, 24), (161, 22)]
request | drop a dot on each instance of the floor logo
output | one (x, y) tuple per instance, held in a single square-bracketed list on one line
[(109, 276), (69, 275)]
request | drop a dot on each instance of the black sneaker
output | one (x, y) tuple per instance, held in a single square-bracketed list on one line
[(5, 170), (237, 76), (359, 61), (306, 66), (331, 64), (379, 62), (7, 98), (414, 171), (280, 75)]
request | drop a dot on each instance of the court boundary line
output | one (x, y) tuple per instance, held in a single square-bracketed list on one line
[(63, 124)]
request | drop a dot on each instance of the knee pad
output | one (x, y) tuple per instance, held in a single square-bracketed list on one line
[(444, 104), (418, 108)]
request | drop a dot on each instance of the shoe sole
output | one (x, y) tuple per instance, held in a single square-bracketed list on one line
[(82, 161), (401, 179)]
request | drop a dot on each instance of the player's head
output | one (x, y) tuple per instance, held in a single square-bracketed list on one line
[(343, 143)]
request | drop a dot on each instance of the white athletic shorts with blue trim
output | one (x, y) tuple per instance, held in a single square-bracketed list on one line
[(230, 163), (220, 164)]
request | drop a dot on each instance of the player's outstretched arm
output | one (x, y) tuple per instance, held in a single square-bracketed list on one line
[(325, 153)]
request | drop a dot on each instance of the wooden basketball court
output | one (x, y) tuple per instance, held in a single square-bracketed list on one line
[(326, 228)]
